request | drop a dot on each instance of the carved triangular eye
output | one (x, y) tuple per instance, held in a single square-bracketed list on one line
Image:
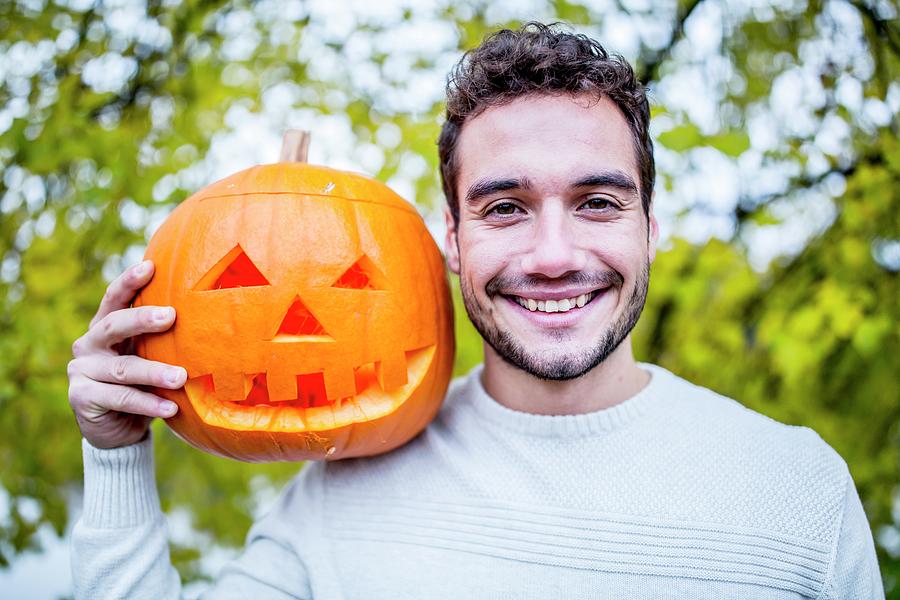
[(362, 275), (299, 322), (235, 269)]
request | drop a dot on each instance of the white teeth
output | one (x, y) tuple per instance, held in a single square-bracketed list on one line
[(552, 306)]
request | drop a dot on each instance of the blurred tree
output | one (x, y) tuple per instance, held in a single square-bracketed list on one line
[(777, 153)]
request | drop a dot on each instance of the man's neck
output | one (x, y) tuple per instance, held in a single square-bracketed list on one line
[(611, 382)]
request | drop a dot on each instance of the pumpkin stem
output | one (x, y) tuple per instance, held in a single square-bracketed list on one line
[(295, 146)]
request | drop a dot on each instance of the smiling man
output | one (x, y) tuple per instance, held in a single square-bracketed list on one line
[(561, 468), (553, 246)]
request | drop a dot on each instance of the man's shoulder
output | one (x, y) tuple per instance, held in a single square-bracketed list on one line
[(728, 422), (785, 474)]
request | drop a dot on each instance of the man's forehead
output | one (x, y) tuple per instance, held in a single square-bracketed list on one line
[(551, 139), (517, 111)]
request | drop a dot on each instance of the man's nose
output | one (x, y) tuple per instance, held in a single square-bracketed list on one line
[(554, 247)]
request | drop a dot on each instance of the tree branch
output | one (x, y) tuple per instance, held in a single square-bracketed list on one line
[(649, 70), (882, 27)]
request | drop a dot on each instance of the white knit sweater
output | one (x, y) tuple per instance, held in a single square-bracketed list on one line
[(675, 493)]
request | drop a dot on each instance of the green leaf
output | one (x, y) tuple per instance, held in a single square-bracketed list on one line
[(681, 137), (731, 143)]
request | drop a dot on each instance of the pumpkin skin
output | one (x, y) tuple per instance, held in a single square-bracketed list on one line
[(313, 316)]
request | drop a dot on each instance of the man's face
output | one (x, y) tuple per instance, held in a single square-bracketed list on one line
[(552, 247)]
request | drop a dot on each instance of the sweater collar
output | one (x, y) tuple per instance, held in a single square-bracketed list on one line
[(587, 424)]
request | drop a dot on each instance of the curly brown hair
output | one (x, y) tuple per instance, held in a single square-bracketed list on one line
[(540, 58)]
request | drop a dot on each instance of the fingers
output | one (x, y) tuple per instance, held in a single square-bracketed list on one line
[(92, 399), (122, 324), (127, 370), (122, 290)]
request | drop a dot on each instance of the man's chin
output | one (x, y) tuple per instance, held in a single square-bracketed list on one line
[(557, 354), (548, 354), (553, 364)]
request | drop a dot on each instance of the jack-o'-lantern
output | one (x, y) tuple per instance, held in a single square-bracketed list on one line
[(313, 315)]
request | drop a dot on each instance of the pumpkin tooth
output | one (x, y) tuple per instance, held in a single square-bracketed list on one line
[(282, 386), (391, 370), (339, 382), (230, 386)]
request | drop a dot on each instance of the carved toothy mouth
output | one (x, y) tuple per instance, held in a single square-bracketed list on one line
[(311, 409)]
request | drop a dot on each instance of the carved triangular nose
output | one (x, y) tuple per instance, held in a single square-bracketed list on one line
[(300, 322)]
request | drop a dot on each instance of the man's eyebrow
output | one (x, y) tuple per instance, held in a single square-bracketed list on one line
[(486, 187), (614, 179)]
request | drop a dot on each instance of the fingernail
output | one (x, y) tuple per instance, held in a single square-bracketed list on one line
[(163, 314), (167, 408), (142, 269), (174, 376)]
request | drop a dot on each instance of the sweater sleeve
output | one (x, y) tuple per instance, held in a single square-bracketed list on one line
[(854, 573), (119, 546)]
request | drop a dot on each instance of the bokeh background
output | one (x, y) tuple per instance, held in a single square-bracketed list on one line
[(776, 125)]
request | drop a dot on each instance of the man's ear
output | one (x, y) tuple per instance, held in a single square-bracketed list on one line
[(653, 230), (451, 245)]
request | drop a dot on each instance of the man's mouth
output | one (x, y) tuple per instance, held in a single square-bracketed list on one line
[(553, 306)]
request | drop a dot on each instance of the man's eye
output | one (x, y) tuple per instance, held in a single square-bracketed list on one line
[(503, 208), (598, 204)]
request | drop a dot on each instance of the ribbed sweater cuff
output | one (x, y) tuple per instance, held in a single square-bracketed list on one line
[(119, 486)]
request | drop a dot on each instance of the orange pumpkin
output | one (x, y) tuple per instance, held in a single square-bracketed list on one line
[(313, 315)]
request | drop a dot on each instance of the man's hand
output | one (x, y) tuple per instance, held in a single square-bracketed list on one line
[(110, 410)]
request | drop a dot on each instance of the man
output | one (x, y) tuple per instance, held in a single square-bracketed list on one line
[(559, 469)]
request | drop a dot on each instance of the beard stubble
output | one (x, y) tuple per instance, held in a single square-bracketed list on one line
[(558, 366)]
